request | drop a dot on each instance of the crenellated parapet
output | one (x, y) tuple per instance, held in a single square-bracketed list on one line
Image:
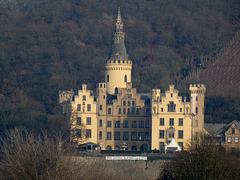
[(197, 88), (120, 62)]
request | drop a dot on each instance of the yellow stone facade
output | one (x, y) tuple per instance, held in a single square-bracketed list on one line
[(175, 118), (115, 116)]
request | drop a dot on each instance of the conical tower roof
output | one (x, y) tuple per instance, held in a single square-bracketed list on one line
[(118, 50)]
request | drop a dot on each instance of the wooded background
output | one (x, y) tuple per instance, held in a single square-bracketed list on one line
[(52, 45)]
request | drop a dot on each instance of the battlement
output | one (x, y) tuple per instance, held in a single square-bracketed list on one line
[(197, 85), (199, 88), (120, 62)]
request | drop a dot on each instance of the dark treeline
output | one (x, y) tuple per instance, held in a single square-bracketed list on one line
[(52, 45)]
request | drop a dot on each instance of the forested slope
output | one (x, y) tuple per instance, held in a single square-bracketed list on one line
[(52, 45)]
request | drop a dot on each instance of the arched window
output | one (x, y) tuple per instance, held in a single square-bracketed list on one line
[(107, 78), (124, 103), (116, 90), (124, 111), (134, 148), (109, 148), (125, 78)]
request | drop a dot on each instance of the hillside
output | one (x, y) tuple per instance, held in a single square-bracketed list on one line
[(52, 45)]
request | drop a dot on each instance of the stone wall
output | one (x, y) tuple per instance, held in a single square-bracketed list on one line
[(99, 168)]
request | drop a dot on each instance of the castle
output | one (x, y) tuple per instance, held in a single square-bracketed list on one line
[(116, 117)]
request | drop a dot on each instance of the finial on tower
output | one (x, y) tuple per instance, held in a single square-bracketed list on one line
[(119, 19)]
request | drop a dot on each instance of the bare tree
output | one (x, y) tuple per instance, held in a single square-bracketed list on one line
[(206, 160)]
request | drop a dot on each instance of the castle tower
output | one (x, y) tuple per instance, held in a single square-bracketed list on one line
[(118, 67), (197, 107)]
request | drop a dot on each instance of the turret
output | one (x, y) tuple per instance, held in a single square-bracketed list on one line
[(197, 106), (118, 67)]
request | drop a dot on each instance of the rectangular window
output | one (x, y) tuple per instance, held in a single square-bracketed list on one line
[(196, 123), (117, 136), (109, 111), (100, 134), (181, 144), (161, 147), (147, 136), (84, 98), (171, 106), (125, 124), (161, 134), (100, 107), (107, 78), (147, 111), (79, 107), (134, 124), (196, 135), (109, 135), (161, 109), (229, 139), (100, 123), (180, 109), (133, 111), (196, 110), (134, 136), (79, 120), (180, 134), (109, 123), (141, 124), (137, 111), (88, 133), (180, 121), (117, 124), (129, 103), (125, 136), (89, 119), (89, 107), (78, 133), (171, 122), (141, 136), (233, 130), (147, 124), (236, 140), (161, 121)]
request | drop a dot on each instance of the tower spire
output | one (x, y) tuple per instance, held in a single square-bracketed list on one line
[(118, 67), (119, 19), (118, 51)]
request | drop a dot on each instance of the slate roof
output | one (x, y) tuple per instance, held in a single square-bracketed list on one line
[(213, 128), (218, 129), (118, 50)]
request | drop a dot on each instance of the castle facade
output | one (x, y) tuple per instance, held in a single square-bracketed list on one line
[(116, 117)]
